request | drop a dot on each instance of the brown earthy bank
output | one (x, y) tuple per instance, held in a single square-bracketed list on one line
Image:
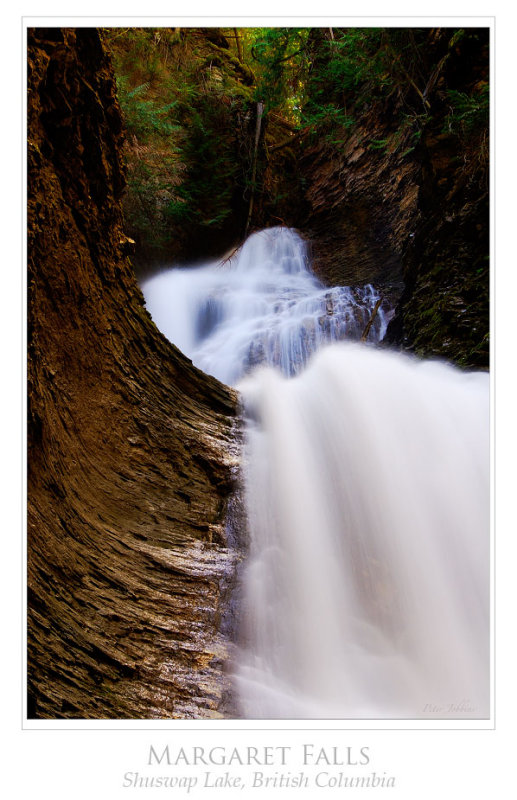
[(130, 447)]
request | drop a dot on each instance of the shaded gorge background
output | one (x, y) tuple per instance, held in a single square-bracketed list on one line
[(372, 142)]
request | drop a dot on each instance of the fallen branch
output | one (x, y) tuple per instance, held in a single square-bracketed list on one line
[(232, 253), (283, 122), (371, 320), (286, 142)]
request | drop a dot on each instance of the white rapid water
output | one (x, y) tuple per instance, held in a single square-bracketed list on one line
[(366, 592), (263, 305), (367, 491)]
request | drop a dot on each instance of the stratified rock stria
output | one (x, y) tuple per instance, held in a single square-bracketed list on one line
[(130, 454)]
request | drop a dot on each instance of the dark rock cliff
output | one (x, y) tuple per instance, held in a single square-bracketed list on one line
[(409, 203), (444, 309), (130, 459), (362, 204)]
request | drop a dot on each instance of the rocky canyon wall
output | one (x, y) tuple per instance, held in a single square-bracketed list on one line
[(445, 307), (130, 454), (405, 198)]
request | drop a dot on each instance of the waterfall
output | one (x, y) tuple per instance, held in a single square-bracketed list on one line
[(264, 305), (366, 590), (367, 493)]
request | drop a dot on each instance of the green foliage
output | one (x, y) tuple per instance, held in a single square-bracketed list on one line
[(378, 144), (468, 113), (212, 170), (151, 180), (280, 57), (179, 209), (353, 61), (351, 69), (185, 109), (314, 76), (144, 116), (190, 96)]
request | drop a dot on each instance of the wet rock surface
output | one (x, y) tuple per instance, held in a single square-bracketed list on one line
[(131, 450)]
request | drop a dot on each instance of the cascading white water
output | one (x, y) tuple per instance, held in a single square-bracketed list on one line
[(367, 493), (366, 593), (264, 305)]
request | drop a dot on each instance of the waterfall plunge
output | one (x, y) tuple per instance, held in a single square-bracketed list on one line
[(367, 491), (366, 593)]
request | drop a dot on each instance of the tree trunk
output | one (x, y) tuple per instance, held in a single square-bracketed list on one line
[(260, 109)]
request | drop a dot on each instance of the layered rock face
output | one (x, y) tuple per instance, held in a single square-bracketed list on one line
[(444, 310), (130, 454), (363, 206), (411, 204)]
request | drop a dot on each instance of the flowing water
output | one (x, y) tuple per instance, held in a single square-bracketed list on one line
[(366, 591), (262, 306)]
